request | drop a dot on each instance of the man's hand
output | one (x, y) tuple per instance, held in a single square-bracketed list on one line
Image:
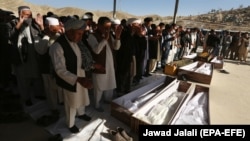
[(62, 29), (39, 20), (106, 35), (20, 22), (85, 82), (99, 67), (118, 32)]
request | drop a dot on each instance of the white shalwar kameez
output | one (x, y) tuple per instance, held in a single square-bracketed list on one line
[(74, 102), (104, 82)]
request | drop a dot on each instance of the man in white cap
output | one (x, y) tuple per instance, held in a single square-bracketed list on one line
[(52, 30), (114, 25), (131, 21), (88, 18), (21, 32), (67, 62)]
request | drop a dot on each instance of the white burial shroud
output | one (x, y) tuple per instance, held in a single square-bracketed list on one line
[(159, 113), (137, 103), (195, 112)]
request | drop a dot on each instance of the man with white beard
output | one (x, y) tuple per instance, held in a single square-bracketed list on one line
[(70, 75)]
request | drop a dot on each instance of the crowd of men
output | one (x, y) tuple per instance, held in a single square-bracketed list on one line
[(64, 58)]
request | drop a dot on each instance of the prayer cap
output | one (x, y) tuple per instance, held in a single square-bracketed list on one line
[(52, 21), (116, 21), (73, 23), (87, 16), (20, 8), (133, 20)]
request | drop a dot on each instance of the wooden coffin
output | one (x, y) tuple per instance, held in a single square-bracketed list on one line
[(168, 101), (195, 109), (197, 71), (123, 107), (217, 62)]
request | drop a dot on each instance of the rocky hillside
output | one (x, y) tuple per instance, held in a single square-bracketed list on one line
[(12, 5), (234, 19)]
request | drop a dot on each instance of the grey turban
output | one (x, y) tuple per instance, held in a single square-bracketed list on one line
[(74, 23)]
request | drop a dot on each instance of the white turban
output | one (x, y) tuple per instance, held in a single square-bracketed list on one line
[(52, 21), (73, 23), (21, 8), (133, 20), (86, 17), (116, 21)]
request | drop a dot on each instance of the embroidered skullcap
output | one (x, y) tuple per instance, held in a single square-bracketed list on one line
[(133, 20), (52, 21), (116, 21), (74, 23), (21, 8)]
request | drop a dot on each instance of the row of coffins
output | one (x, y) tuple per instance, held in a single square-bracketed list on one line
[(194, 67), (166, 101), (170, 100), (197, 71)]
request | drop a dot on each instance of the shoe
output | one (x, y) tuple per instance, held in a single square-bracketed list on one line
[(224, 71), (74, 129), (85, 117), (116, 136), (99, 109), (124, 134)]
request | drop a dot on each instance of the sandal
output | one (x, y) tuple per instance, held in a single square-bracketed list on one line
[(124, 134), (224, 71), (116, 136)]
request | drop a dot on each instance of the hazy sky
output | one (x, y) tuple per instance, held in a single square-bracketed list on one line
[(145, 7)]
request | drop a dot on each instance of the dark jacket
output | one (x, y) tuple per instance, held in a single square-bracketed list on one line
[(70, 62), (12, 35)]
